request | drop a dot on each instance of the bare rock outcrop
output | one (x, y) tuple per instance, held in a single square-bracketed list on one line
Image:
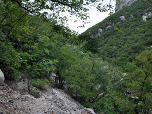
[(123, 3), (146, 15), (122, 18), (1, 77)]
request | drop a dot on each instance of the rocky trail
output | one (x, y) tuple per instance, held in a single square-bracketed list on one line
[(52, 101)]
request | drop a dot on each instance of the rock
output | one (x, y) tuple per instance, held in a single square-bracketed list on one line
[(100, 31), (118, 23), (27, 98), (146, 15), (53, 77), (89, 111), (149, 14), (22, 86), (65, 87), (11, 101), (1, 78), (125, 3), (100, 94), (52, 101), (97, 86), (108, 27), (12, 84), (1, 93), (35, 92), (122, 18)]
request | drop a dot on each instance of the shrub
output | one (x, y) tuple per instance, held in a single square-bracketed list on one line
[(40, 83), (35, 93)]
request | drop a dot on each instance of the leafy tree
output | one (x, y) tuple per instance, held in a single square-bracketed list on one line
[(139, 83), (80, 80), (11, 17), (9, 60), (78, 8), (109, 100), (91, 44)]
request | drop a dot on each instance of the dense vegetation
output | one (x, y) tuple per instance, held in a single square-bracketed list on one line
[(124, 39), (33, 46)]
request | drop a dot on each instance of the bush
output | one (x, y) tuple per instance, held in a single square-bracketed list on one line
[(35, 93), (40, 83)]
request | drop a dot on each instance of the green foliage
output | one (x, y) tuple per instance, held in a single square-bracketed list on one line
[(35, 93), (79, 79), (109, 100), (139, 83), (123, 104), (120, 48), (40, 83), (130, 67), (56, 7), (105, 72), (9, 60), (34, 46), (91, 44)]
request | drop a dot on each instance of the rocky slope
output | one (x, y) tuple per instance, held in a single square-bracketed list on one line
[(123, 3), (52, 101)]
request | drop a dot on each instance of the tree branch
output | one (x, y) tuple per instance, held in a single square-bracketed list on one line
[(70, 4), (20, 5)]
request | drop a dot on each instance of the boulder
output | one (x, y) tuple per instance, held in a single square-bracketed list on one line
[(108, 27), (89, 111), (22, 87), (122, 18), (100, 31), (1, 77), (53, 77), (146, 15)]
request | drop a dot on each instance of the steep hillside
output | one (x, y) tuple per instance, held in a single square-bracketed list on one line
[(125, 34)]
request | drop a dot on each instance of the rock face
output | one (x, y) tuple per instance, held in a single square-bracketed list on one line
[(52, 101), (100, 31), (146, 15), (1, 77), (124, 4), (122, 18), (53, 77)]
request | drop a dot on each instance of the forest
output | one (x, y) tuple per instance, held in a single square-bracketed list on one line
[(110, 73)]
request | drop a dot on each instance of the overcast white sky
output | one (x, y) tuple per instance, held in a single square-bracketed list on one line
[(95, 17)]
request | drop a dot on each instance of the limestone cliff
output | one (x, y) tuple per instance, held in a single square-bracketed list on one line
[(123, 3)]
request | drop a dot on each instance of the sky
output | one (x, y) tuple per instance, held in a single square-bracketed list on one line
[(95, 17)]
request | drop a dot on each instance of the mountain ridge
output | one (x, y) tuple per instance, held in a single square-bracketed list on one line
[(123, 3)]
